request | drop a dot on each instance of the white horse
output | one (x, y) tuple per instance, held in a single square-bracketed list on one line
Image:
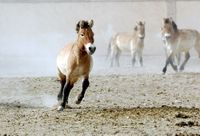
[(131, 42), (177, 41)]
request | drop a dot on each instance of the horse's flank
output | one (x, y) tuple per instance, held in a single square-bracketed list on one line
[(129, 41)]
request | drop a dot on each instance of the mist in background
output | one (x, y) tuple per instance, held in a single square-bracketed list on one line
[(31, 34)]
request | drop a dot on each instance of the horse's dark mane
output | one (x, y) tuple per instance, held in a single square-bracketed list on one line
[(140, 23), (82, 24), (174, 26), (168, 21)]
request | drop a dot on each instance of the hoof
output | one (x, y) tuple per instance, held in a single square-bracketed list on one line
[(164, 70), (78, 102), (68, 107), (60, 108), (59, 97), (175, 68), (181, 68)]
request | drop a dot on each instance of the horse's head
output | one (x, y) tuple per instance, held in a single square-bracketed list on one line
[(140, 29), (86, 36), (169, 27)]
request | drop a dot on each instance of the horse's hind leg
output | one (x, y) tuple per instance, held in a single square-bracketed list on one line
[(112, 58), (187, 56), (133, 55), (85, 85), (178, 59), (117, 58), (197, 47), (140, 58)]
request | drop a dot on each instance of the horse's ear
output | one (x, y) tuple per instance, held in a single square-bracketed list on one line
[(171, 19), (91, 23), (81, 23), (135, 28), (164, 19), (77, 26)]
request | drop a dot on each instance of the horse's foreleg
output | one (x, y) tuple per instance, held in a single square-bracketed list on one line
[(133, 55), (60, 94), (111, 58), (168, 61), (187, 56), (85, 85), (117, 58), (67, 88), (173, 66), (178, 58)]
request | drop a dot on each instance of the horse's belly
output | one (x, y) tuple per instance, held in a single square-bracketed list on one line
[(125, 48)]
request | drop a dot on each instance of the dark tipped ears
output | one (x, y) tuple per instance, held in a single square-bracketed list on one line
[(77, 26), (171, 19), (81, 23), (135, 28), (91, 23)]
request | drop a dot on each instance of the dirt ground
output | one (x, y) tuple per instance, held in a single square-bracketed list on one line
[(137, 104)]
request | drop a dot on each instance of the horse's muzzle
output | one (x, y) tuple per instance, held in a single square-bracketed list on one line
[(141, 36), (92, 49), (167, 35)]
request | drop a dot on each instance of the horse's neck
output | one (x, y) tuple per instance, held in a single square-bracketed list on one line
[(79, 52), (174, 38)]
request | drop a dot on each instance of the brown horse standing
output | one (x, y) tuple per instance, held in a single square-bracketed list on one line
[(75, 61)]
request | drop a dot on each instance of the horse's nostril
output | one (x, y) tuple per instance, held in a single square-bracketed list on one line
[(90, 48)]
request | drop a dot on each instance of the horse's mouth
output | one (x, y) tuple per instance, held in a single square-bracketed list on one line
[(167, 35), (141, 36)]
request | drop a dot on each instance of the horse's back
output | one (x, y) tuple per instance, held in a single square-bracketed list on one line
[(187, 38), (123, 41)]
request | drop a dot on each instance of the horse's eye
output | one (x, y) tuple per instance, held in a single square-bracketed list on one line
[(82, 35)]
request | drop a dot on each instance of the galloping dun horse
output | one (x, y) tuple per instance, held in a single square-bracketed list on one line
[(75, 61), (177, 41), (131, 42)]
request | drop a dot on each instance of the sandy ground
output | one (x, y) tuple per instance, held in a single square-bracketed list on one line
[(136, 104)]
